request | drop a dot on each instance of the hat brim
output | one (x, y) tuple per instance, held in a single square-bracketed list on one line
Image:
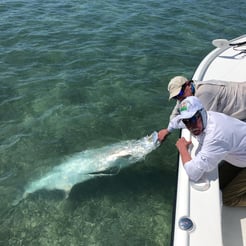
[(174, 93), (187, 115)]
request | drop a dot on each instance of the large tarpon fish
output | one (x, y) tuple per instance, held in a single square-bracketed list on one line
[(108, 160)]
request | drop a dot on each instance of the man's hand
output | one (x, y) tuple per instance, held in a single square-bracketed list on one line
[(162, 134), (182, 145)]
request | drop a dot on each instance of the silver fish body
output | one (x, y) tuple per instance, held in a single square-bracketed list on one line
[(88, 164)]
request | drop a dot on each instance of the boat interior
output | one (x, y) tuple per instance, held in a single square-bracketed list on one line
[(234, 217), (231, 217)]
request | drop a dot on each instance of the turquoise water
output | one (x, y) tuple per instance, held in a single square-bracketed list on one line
[(78, 75)]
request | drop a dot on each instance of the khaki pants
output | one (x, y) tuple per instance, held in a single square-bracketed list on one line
[(234, 193)]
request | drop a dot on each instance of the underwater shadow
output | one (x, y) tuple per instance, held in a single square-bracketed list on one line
[(130, 182)]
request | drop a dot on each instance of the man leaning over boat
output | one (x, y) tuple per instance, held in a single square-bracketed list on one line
[(220, 137), (220, 96)]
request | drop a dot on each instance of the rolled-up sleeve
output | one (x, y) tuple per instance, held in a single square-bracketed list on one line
[(175, 124), (193, 170), (206, 160)]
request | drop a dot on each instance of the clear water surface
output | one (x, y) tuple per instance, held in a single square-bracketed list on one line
[(77, 75)]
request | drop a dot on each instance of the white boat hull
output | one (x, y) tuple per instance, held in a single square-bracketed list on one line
[(213, 223)]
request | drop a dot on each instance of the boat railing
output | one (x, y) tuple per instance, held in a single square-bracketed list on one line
[(198, 206)]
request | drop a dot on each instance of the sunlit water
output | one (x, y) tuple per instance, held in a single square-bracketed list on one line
[(81, 75)]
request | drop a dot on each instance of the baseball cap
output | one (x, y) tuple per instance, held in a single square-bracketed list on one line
[(175, 85), (188, 107)]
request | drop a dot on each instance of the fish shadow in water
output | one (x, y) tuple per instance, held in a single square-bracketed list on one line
[(126, 182)]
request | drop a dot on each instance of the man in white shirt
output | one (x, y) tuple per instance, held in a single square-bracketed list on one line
[(220, 137), (220, 96)]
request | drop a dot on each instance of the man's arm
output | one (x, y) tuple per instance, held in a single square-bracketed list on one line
[(162, 134), (173, 124)]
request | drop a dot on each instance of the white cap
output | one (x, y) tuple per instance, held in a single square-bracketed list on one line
[(188, 107)]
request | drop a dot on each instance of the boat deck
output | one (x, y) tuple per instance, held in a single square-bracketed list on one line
[(226, 64)]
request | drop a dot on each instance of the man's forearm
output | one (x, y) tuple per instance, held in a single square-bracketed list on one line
[(185, 155)]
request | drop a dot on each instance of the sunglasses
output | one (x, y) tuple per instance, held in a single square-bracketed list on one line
[(192, 120), (181, 93)]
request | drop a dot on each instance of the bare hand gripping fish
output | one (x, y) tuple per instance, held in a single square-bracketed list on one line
[(108, 160)]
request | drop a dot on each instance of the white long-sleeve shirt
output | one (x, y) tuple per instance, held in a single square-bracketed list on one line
[(224, 138)]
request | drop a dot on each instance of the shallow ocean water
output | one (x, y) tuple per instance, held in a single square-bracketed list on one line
[(78, 75)]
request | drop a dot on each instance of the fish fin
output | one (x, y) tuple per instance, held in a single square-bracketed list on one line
[(66, 194), (17, 201), (67, 191), (109, 171)]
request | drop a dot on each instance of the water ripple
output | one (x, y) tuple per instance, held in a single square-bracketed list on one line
[(77, 74), (11, 141)]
